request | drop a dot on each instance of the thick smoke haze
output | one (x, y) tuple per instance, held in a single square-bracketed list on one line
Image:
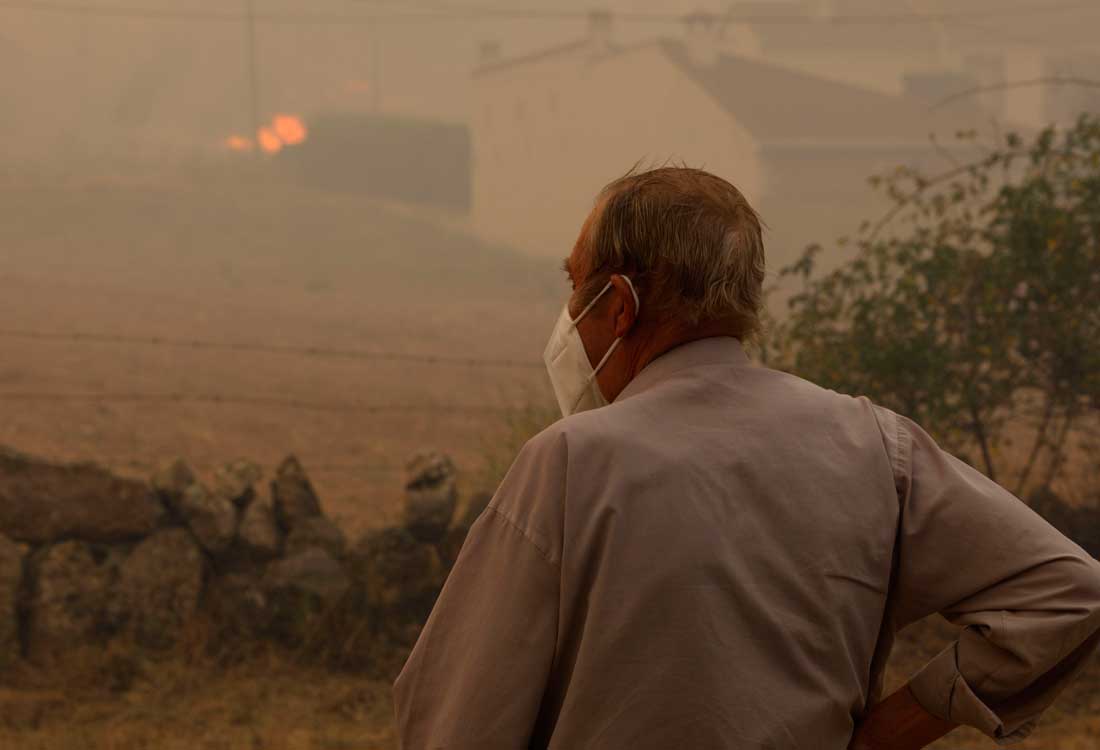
[(307, 254), (405, 177)]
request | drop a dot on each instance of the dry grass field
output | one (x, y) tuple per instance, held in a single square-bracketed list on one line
[(112, 701), (253, 264)]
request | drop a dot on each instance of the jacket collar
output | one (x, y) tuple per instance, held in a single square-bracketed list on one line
[(714, 350)]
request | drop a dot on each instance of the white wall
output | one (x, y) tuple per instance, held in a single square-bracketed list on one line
[(547, 136)]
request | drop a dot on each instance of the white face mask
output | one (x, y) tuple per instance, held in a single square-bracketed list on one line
[(571, 374)]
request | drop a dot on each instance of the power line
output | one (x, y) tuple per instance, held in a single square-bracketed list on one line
[(309, 351), (264, 401), (998, 11), (436, 12)]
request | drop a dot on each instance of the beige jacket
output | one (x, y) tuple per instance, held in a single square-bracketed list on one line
[(719, 560)]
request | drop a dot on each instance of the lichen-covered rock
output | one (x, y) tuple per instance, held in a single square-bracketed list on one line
[(258, 536), (42, 502), (159, 586), (314, 571), (298, 589), (211, 517), (428, 469), (172, 480), (237, 606), (398, 576), (430, 496), (316, 532), (476, 504), (293, 494), (11, 582), (72, 600), (235, 481), (451, 543)]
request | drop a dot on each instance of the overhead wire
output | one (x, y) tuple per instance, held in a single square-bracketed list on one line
[(993, 11), (435, 12)]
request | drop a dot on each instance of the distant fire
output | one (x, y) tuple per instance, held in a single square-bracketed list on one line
[(289, 128), (238, 143), (284, 130), (269, 141)]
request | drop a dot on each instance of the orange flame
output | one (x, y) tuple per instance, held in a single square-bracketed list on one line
[(269, 141), (238, 143), (290, 129), (284, 130)]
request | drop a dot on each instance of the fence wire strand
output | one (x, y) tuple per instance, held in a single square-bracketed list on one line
[(260, 347), (264, 401)]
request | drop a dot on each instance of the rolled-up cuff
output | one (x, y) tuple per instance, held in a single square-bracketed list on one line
[(943, 692)]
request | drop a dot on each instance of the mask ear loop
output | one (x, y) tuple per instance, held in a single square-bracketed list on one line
[(610, 349), (615, 343), (637, 302), (588, 307)]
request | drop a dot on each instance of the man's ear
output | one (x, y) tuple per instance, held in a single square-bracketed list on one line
[(626, 310)]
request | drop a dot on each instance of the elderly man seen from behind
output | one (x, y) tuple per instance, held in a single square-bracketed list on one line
[(708, 554)]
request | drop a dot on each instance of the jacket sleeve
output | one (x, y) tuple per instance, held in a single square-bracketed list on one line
[(1026, 596), (476, 676)]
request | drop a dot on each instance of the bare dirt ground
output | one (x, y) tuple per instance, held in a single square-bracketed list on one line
[(253, 264)]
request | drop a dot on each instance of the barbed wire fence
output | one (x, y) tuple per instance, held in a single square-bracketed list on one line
[(349, 469), (268, 348), (218, 399)]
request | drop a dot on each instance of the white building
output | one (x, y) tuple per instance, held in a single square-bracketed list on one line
[(551, 128)]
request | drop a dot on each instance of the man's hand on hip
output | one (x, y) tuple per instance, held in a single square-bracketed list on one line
[(899, 722)]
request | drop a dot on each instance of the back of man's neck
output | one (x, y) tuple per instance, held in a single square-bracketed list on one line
[(660, 342)]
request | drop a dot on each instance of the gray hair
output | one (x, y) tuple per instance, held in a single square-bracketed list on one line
[(689, 241)]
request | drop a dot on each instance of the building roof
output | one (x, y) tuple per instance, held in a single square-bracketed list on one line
[(781, 105), (542, 54)]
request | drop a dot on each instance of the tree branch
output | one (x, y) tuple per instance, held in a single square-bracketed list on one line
[(1040, 441), (1057, 450)]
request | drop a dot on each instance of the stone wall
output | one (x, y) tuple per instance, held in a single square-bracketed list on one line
[(87, 557)]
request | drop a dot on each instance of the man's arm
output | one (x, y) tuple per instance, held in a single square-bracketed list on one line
[(476, 677), (1026, 597)]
